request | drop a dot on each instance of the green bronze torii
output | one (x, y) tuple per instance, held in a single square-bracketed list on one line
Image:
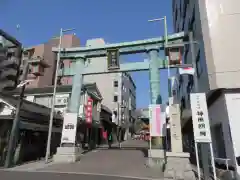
[(154, 64)]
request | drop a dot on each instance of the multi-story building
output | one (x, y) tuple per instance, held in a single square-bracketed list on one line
[(118, 89), (215, 26), (43, 61)]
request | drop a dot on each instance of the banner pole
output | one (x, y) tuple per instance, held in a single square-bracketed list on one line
[(197, 159)]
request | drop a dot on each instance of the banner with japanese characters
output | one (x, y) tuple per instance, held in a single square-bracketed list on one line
[(69, 128), (200, 118)]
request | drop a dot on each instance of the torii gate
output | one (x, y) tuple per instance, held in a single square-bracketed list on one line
[(149, 46)]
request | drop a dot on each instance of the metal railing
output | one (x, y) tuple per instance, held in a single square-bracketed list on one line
[(225, 160)]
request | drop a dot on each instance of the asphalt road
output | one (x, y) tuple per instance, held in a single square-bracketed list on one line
[(13, 175), (127, 163)]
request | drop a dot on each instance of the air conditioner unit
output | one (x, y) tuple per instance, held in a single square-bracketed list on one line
[(61, 101)]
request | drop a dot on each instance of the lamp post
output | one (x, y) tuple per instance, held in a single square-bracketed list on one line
[(54, 94), (159, 141), (165, 36)]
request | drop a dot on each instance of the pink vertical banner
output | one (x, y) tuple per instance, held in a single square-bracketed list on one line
[(157, 120)]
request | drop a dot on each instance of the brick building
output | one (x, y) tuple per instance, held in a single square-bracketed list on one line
[(43, 60)]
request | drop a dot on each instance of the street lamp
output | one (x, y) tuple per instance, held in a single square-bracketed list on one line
[(54, 93), (165, 36), (165, 26), (24, 83), (165, 44)]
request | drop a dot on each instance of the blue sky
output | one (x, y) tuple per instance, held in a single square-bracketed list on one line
[(115, 21)]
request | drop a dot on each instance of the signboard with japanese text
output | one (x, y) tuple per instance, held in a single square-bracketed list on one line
[(113, 59), (69, 128), (88, 110), (200, 118), (157, 121)]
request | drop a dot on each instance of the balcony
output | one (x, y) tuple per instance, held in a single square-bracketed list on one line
[(38, 61), (36, 65)]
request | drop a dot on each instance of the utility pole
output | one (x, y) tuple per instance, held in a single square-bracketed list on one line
[(54, 95), (10, 59), (15, 127)]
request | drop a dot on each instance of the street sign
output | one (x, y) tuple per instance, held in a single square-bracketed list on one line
[(88, 110), (200, 118), (113, 59), (69, 128), (157, 120)]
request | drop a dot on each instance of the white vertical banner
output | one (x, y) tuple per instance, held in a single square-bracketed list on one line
[(200, 118), (201, 127), (157, 121), (69, 128)]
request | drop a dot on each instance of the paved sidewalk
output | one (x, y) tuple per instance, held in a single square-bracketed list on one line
[(128, 161)]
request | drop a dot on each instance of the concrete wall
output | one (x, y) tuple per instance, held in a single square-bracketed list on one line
[(221, 26), (233, 103)]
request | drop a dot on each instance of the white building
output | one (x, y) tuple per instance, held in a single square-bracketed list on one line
[(215, 25), (117, 89)]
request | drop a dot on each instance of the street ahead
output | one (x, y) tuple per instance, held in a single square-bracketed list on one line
[(127, 163)]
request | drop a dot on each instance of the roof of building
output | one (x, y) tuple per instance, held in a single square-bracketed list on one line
[(106, 109), (90, 88), (31, 108)]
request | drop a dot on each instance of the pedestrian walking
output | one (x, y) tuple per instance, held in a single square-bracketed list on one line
[(110, 139)]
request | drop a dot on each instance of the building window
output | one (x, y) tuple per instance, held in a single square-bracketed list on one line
[(220, 143), (115, 98), (30, 70), (115, 83), (61, 65), (192, 24), (198, 64), (59, 80)]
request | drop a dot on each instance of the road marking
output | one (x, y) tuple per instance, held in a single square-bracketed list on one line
[(86, 173)]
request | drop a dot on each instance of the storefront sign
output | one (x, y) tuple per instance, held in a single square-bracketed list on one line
[(88, 110)]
